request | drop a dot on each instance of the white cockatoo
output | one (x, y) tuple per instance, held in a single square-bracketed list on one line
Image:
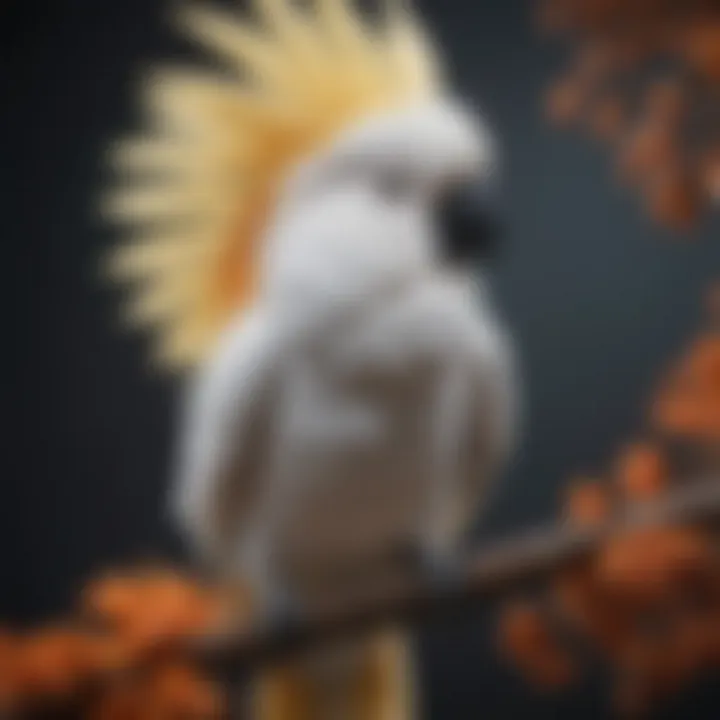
[(311, 243)]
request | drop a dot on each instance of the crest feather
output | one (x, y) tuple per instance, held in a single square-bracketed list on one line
[(199, 186)]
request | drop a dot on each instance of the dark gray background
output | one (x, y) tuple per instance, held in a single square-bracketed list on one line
[(598, 297)]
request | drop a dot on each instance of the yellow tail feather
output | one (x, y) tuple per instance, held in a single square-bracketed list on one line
[(378, 688)]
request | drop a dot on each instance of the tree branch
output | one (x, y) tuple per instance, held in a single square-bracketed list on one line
[(493, 572)]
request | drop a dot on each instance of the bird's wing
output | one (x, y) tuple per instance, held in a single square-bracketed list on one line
[(224, 436), (447, 323), (494, 415)]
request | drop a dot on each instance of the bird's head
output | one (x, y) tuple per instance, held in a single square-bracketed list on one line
[(323, 96), (438, 157)]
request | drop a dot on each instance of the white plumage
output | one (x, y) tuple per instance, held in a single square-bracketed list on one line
[(365, 401), (351, 396)]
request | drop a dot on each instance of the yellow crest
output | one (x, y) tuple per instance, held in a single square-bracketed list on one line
[(198, 187)]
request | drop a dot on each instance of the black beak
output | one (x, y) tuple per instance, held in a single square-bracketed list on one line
[(469, 225)]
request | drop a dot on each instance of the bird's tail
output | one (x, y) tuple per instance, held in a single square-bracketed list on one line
[(371, 680)]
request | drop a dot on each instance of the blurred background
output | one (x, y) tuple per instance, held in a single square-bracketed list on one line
[(599, 297)]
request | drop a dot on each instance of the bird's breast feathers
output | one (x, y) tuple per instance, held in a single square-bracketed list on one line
[(361, 450)]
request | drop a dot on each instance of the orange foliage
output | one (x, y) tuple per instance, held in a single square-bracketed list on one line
[(648, 601), (127, 652), (642, 471), (645, 76), (700, 45), (153, 608), (646, 150), (594, 615), (652, 565), (672, 197), (565, 101), (587, 503), (526, 639), (689, 401)]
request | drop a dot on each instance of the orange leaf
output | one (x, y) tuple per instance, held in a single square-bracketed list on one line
[(642, 471), (673, 198), (587, 503), (565, 101), (526, 640)]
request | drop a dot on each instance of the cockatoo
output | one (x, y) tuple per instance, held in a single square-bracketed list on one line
[(310, 243)]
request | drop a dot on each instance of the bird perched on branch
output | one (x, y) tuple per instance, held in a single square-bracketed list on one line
[(310, 237)]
